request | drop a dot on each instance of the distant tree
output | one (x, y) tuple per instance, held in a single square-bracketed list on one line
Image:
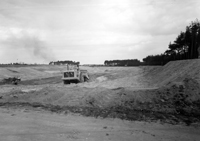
[(184, 46), (128, 62), (66, 62)]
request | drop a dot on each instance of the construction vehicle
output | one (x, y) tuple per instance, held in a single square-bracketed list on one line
[(12, 80), (75, 76)]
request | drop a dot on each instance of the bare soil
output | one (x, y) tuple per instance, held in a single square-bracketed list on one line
[(25, 124), (168, 94)]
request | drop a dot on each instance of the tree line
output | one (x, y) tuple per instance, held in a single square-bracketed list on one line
[(66, 62), (185, 46), (129, 62)]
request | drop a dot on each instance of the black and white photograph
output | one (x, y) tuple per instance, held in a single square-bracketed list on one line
[(99, 70)]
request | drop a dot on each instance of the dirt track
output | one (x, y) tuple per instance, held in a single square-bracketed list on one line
[(29, 125), (166, 94)]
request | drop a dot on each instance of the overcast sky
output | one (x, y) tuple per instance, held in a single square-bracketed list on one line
[(90, 31)]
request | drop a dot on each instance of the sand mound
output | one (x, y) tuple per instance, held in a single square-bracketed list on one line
[(175, 71), (187, 90), (31, 72), (22, 72)]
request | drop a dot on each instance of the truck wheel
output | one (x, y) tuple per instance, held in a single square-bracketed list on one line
[(66, 82), (81, 78)]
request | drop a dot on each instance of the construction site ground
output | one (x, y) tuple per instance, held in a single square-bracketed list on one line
[(117, 103)]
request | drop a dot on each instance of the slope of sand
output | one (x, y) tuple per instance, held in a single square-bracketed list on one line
[(115, 77), (175, 71), (31, 72)]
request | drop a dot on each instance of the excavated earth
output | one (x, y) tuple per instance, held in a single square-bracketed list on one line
[(165, 94), (170, 93)]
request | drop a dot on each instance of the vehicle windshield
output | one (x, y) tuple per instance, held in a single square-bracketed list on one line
[(69, 74)]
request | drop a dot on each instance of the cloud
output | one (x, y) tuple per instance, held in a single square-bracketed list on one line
[(155, 18), (113, 28), (30, 44)]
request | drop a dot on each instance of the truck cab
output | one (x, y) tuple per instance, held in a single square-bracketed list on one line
[(75, 76)]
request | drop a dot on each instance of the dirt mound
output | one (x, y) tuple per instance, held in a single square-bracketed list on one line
[(178, 102), (66, 96), (188, 88), (31, 72), (175, 71), (167, 104), (22, 72), (183, 95), (115, 92)]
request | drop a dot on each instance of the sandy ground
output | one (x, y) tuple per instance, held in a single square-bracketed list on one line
[(41, 107), (31, 125)]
